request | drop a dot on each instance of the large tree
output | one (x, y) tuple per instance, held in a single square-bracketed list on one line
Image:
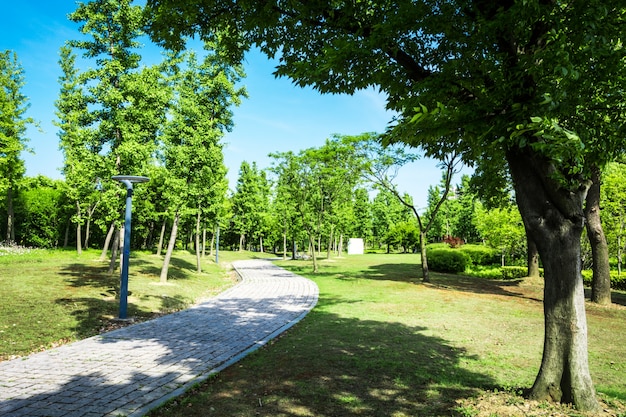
[(523, 81)]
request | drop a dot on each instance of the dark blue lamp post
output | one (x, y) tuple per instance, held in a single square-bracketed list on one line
[(128, 181)]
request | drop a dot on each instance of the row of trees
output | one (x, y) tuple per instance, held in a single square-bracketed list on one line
[(117, 115)]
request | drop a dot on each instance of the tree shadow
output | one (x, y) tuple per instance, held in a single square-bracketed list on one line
[(343, 366)]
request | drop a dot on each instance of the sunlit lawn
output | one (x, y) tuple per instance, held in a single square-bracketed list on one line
[(381, 343), (50, 297)]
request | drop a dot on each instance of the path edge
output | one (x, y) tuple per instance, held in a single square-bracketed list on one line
[(142, 411)]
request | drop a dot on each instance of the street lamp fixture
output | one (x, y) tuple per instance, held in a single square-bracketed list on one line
[(128, 181)]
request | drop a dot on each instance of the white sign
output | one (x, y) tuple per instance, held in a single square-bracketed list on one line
[(355, 246)]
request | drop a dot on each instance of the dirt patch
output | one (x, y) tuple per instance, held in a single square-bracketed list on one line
[(508, 404)]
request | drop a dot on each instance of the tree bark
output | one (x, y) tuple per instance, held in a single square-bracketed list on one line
[(107, 241), (170, 248), (204, 241), (10, 216), (554, 219), (161, 236), (601, 282), (425, 272), (241, 239), (114, 251), (79, 246), (533, 258), (198, 263)]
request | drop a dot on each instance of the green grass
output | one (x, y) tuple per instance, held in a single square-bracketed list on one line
[(51, 297), (381, 343)]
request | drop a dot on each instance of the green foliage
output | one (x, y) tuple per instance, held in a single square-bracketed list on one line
[(618, 281), (514, 272), (40, 204), (403, 234), (447, 260), (502, 229), (480, 254)]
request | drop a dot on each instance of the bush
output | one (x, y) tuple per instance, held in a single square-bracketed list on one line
[(481, 255), (447, 260), (514, 272), (617, 282)]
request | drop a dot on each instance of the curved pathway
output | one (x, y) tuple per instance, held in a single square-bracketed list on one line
[(129, 371)]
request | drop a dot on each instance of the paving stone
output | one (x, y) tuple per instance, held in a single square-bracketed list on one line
[(129, 371)]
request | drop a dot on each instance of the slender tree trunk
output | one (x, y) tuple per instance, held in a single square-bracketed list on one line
[(170, 248), (212, 242), (261, 243), (107, 241), (66, 239), (340, 247), (114, 251), (533, 258), (313, 252), (554, 218), (10, 216), (294, 249), (79, 246), (425, 272), (204, 241), (330, 242), (284, 245), (161, 236), (601, 283), (90, 212), (198, 263), (241, 241)]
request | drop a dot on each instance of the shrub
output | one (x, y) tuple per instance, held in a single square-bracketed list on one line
[(514, 272), (447, 260), (481, 255), (617, 282), (453, 241)]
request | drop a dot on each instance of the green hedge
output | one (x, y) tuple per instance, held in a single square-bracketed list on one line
[(481, 255), (447, 260), (514, 272), (617, 282)]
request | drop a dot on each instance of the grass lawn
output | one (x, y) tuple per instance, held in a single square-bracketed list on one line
[(52, 297), (381, 343)]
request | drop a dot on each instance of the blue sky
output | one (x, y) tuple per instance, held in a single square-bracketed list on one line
[(276, 117)]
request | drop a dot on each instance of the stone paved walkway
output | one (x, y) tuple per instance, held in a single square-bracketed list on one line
[(129, 371)]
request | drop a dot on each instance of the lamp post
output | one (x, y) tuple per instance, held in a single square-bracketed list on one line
[(128, 181)]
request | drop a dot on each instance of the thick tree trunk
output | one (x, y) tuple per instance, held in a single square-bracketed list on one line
[(554, 219), (533, 258), (107, 241), (170, 248), (601, 283)]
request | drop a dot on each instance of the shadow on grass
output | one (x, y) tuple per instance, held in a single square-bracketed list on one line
[(335, 366), (327, 365)]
